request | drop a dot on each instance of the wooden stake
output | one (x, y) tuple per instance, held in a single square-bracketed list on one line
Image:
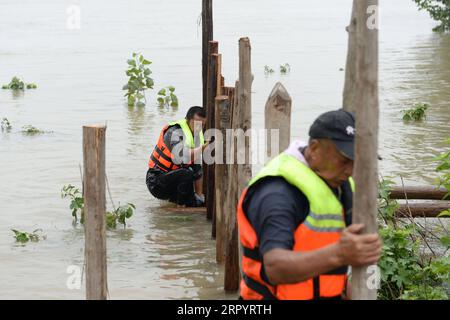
[(207, 36), (212, 87), (241, 174), (366, 162), (350, 68), (208, 173), (245, 108), (278, 117), (221, 172), (232, 268), (94, 211)]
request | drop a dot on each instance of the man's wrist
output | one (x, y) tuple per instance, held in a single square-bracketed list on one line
[(336, 256)]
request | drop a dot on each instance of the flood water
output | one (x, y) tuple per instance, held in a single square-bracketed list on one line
[(80, 74)]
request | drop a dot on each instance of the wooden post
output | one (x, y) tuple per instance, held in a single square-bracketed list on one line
[(245, 108), (212, 87), (213, 47), (232, 268), (242, 119), (278, 117), (366, 161), (221, 172), (350, 68), (207, 36), (94, 210)]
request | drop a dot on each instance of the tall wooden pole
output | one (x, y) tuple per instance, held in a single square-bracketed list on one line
[(221, 174), (350, 68), (212, 87), (208, 170), (207, 36), (240, 174), (245, 108), (366, 162), (94, 211)]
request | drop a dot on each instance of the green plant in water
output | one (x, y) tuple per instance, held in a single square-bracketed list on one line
[(24, 237), (406, 272), (417, 113), (285, 68), (17, 84), (121, 214), (167, 97), (76, 201), (31, 131), (6, 125), (139, 80), (268, 70)]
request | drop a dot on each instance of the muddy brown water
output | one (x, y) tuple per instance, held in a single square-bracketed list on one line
[(80, 73)]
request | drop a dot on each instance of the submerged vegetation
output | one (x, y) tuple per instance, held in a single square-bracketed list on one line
[(268, 70), (121, 214), (139, 80), (418, 113), (167, 97), (24, 237), (18, 84), (6, 125), (118, 215), (76, 201), (31, 131), (285, 68)]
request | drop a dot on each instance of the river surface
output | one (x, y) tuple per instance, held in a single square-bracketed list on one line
[(80, 73)]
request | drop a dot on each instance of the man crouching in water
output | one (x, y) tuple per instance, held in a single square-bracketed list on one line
[(175, 170)]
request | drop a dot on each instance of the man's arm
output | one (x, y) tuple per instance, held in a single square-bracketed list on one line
[(286, 266)]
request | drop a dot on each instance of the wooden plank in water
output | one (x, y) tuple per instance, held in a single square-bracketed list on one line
[(422, 210), (418, 192)]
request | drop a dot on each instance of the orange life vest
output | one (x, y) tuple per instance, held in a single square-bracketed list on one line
[(161, 157), (319, 229)]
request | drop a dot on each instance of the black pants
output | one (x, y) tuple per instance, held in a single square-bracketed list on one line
[(177, 186)]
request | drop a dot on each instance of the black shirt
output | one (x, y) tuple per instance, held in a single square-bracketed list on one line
[(275, 209)]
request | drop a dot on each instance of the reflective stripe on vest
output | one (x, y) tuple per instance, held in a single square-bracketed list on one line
[(322, 227), (161, 157)]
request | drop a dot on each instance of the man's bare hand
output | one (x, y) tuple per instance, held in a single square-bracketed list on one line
[(358, 250)]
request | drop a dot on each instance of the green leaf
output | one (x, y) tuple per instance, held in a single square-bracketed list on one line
[(149, 83), (162, 92), (445, 213), (445, 242), (131, 62), (171, 88), (131, 100), (146, 62)]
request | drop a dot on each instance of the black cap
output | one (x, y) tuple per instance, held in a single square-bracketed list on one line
[(339, 127)]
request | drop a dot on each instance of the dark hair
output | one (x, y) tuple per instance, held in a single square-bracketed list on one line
[(196, 110)]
